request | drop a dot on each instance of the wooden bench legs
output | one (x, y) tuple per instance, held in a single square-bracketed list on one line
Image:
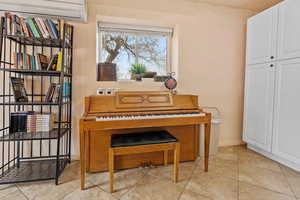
[(176, 161), (165, 147)]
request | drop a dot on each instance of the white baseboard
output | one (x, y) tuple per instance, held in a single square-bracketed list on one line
[(282, 161)]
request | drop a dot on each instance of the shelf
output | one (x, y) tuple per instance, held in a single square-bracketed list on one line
[(46, 42), (36, 72), (35, 170), (37, 103), (20, 136)]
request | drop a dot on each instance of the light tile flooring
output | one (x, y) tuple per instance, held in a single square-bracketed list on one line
[(234, 173)]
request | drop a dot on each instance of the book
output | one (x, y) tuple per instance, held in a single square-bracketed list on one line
[(8, 19), (52, 36), (25, 64), (38, 66), (40, 122), (24, 27), (19, 89), (18, 122), (29, 30), (43, 61), (42, 27), (37, 27), (54, 29), (32, 63), (61, 28), (49, 94), (59, 61), (17, 28), (56, 94), (67, 90), (32, 27), (53, 63)]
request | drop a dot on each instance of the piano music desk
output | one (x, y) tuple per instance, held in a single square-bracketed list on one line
[(147, 111)]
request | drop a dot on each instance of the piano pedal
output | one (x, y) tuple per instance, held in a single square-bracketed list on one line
[(148, 165)]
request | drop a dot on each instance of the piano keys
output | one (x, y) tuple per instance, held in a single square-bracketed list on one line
[(148, 116), (127, 112)]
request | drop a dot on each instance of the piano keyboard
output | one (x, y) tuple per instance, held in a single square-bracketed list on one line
[(153, 116)]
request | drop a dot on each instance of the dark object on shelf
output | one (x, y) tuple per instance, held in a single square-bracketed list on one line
[(18, 122), (160, 78), (53, 63), (107, 72), (29, 154), (149, 74), (171, 82), (43, 61), (19, 89)]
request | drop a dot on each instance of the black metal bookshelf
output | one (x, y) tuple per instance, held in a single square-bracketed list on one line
[(38, 156)]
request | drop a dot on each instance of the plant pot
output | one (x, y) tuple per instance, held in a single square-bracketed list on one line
[(149, 74), (137, 77), (107, 72)]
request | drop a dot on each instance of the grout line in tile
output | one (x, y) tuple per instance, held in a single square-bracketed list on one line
[(134, 186), (288, 182), (22, 192), (266, 188), (189, 180)]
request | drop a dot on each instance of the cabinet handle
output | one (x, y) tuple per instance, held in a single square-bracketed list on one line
[(271, 65), (272, 57)]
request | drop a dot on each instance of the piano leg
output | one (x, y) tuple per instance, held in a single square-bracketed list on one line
[(82, 158), (207, 142)]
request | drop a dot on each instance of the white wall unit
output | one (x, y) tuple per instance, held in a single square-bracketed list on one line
[(259, 93), (261, 37), (272, 97), (286, 136), (70, 9), (289, 30)]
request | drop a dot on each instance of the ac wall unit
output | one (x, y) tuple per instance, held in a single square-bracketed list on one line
[(69, 9)]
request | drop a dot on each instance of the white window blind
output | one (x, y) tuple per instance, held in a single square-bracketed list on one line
[(136, 29)]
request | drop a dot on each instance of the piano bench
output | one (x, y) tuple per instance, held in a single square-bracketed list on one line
[(135, 143)]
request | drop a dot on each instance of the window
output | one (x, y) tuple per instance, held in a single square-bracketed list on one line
[(127, 45)]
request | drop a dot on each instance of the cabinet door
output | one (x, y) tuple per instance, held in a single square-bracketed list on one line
[(289, 30), (286, 139), (261, 36), (258, 107)]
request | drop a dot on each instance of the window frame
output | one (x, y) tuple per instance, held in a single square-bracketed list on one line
[(148, 30)]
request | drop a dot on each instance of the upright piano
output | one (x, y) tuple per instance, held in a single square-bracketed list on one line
[(129, 112)]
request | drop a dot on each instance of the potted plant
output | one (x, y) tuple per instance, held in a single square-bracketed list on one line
[(137, 71), (149, 75)]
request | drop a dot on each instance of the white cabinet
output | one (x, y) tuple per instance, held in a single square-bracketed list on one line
[(289, 30), (258, 114), (272, 94), (70, 9), (261, 37), (286, 136)]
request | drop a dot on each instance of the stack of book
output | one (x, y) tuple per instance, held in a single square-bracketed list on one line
[(29, 62), (53, 93), (18, 89), (25, 61), (37, 122), (33, 27)]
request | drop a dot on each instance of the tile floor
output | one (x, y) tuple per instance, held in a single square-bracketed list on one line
[(235, 173)]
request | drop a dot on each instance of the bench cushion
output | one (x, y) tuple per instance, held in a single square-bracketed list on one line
[(134, 139)]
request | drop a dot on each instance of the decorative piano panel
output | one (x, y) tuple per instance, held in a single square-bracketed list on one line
[(143, 100)]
